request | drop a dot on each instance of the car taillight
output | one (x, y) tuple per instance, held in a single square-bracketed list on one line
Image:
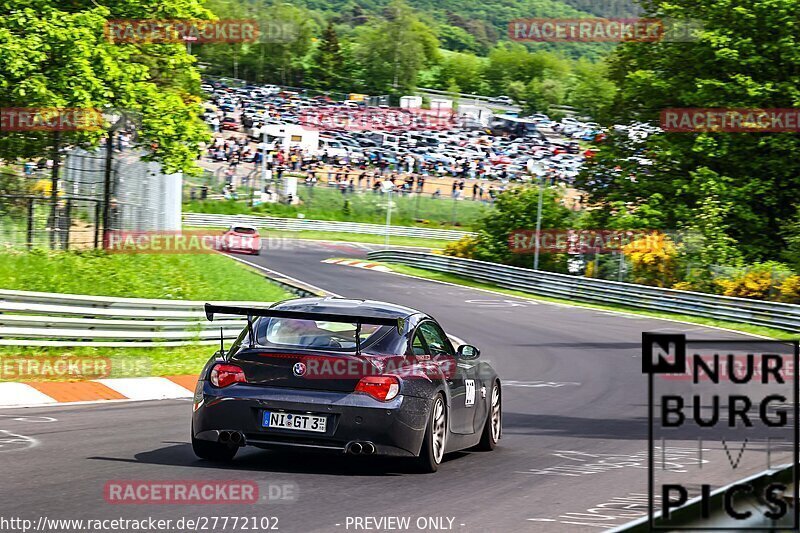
[(382, 388), (223, 375)]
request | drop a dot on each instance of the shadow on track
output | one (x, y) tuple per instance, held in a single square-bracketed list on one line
[(585, 345), (576, 427), (628, 429), (279, 461)]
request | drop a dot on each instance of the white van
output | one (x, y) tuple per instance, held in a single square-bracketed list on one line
[(385, 140), (332, 146)]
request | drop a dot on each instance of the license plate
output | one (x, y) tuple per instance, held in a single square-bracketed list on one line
[(294, 421)]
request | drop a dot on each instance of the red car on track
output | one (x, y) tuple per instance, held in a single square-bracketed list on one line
[(242, 238)]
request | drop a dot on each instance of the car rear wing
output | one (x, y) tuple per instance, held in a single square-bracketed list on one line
[(358, 320), (212, 310)]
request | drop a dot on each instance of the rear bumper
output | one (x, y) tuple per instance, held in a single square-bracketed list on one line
[(235, 250), (395, 428)]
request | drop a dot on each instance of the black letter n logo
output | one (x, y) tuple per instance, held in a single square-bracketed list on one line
[(663, 354)]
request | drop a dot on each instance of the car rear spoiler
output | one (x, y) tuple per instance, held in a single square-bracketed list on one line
[(212, 310), (251, 312)]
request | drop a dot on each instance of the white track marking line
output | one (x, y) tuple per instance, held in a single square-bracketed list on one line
[(11, 442)]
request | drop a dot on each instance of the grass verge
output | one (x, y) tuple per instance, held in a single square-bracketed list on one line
[(449, 278), (179, 277)]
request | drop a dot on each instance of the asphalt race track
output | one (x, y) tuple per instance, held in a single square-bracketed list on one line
[(573, 394)]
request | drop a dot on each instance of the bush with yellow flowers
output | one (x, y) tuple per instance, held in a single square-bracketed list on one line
[(464, 247), (654, 260), (762, 281), (684, 286), (790, 290)]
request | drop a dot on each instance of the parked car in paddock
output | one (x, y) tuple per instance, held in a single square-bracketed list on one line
[(346, 376), (229, 123), (242, 238)]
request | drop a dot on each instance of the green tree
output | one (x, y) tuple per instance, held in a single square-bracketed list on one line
[(791, 234), (746, 56), (327, 63), (57, 55), (458, 39), (542, 94), (279, 56), (710, 220), (463, 69), (591, 91), (392, 51), (516, 209)]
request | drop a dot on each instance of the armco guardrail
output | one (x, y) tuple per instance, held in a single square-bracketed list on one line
[(48, 319), (301, 224), (755, 312)]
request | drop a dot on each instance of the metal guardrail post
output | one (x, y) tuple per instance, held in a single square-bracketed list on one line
[(30, 223)]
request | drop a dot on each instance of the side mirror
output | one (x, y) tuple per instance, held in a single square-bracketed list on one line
[(467, 351)]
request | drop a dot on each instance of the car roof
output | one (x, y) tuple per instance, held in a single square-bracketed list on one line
[(346, 306)]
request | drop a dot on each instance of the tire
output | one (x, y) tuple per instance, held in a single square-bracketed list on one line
[(432, 451), (213, 451), (492, 428)]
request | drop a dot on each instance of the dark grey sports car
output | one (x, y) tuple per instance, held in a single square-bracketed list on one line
[(349, 376)]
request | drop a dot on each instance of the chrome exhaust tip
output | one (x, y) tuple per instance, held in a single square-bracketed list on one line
[(354, 448), (368, 448), (236, 438), (224, 436)]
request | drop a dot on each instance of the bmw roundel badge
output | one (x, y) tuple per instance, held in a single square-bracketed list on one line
[(299, 369)]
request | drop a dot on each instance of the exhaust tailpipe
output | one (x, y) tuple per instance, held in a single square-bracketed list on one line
[(236, 438), (368, 448), (354, 448), (224, 436)]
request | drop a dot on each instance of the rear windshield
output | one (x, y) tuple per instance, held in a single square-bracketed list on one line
[(245, 231), (316, 334)]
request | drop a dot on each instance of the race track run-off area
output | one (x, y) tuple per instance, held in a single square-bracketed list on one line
[(573, 456)]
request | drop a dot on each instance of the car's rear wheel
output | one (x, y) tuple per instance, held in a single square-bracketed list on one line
[(433, 445), (213, 451), (494, 418)]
